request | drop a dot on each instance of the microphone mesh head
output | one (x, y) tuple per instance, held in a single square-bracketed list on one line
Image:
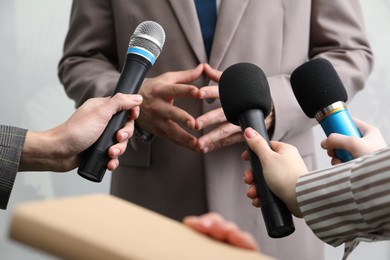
[(244, 86), (150, 36), (317, 85)]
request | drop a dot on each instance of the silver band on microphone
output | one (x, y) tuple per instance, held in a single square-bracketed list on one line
[(324, 112)]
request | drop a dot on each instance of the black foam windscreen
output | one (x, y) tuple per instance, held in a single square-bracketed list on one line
[(244, 86), (317, 85)]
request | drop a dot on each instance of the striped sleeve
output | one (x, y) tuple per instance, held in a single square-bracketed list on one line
[(350, 202), (11, 145)]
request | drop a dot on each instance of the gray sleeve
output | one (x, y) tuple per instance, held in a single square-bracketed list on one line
[(11, 145)]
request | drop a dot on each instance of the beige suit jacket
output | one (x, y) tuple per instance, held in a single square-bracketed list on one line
[(277, 35)]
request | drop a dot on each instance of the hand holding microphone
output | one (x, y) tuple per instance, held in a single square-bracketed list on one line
[(371, 141), (282, 166), (321, 94), (144, 47), (246, 101)]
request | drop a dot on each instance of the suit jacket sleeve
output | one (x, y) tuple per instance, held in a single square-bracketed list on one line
[(89, 66), (11, 145), (337, 33), (350, 202)]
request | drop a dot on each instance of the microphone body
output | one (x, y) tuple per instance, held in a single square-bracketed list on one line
[(144, 48), (93, 164), (321, 95), (277, 217), (246, 101), (336, 119)]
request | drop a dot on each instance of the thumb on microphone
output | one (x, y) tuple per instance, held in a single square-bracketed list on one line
[(282, 166)]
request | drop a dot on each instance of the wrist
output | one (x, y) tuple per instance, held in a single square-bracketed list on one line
[(36, 153), (41, 153)]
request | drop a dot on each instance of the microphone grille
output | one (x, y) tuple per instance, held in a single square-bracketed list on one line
[(150, 36), (244, 86), (317, 85)]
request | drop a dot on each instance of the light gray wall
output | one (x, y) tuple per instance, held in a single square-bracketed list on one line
[(32, 34)]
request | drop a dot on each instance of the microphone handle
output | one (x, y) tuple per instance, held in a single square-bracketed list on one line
[(340, 122), (277, 217), (93, 164)]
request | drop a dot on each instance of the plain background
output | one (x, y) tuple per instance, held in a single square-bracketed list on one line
[(31, 40)]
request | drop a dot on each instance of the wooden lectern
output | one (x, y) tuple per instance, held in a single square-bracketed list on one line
[(106, 227)]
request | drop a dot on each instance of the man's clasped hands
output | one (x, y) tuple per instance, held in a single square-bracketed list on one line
[(161, 117)]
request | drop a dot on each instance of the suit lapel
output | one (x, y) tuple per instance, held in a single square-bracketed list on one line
[(229, 17), (185, 12)]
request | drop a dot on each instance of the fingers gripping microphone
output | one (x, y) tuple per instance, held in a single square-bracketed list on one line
[(246, 101), (321, 94), (144, 47)]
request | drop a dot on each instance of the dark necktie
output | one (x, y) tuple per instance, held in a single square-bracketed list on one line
[(207, 15)]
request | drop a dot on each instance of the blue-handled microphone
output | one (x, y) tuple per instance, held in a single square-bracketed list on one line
[(321, 95), (144, 47)]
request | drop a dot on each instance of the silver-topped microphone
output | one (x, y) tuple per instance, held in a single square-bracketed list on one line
[(144, 48), (147, 40)]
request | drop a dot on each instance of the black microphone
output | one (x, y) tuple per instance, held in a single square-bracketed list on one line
[(246, 101), (321, 94), (144, 47)]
